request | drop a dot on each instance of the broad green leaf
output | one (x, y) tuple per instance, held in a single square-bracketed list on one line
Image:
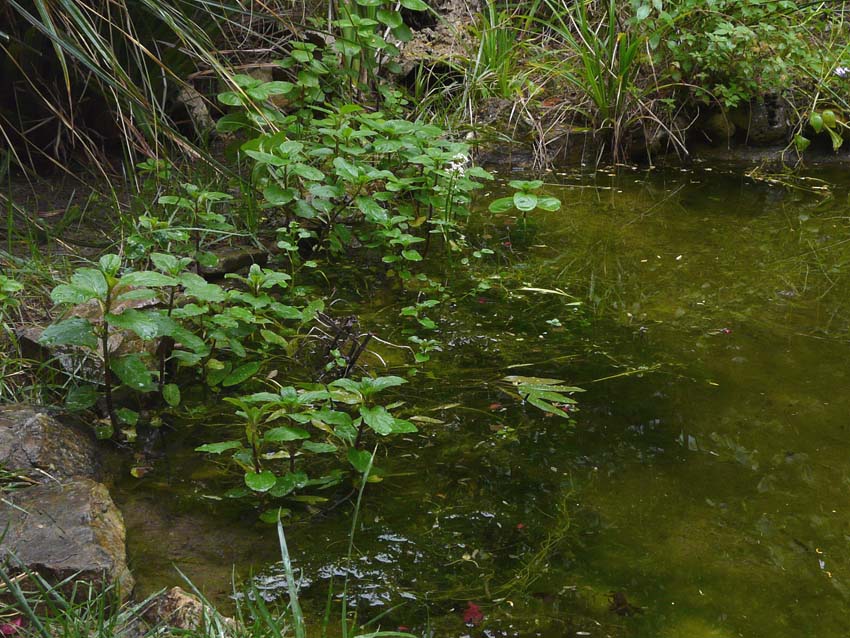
[(218, 448), (285, 433), (525, 185), (414, 5), (128, 416), (145, 324), (378, 419), (318, 448), (549, 203), (81, 397), (390, 18), (147, 278), (359, 459), (501, 205), (91, 281), (71, 332), (371, 386), (525, 201), (132, 372), (411, 255), (289, 483), (260, 482), (171, 394), (110, 264), (241, 374), (63, 293)]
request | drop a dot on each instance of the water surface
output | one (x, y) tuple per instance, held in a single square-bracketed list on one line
[(705, 480)]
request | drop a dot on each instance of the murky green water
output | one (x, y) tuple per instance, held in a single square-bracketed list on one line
[(707, 478)]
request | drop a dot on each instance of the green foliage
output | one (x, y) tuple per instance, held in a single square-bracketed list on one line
[(731, 51), (525, 199), (285, 431), (607, 65)]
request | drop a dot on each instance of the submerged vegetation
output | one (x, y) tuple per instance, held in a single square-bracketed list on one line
[(265, 168)]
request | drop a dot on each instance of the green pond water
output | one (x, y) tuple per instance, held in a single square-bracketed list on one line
[(704, 489)]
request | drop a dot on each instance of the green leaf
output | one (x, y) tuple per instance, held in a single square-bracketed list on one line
[(128, 416), (289, 483), (145, 324), (260, 482), (110, 264), (525, 201), (501, 205), (390, 18), (801, 143), (359, 459), (411, 255), (816, 121), (91, 282), (241, 374), (133, 373), (285, 433), (81, 397), (218, 448), (378, 419), (525, 185), (549, 203), (147, 278), (318, 448), (828, 118), (63, 293), (171, 394), (71, 332), (272, 516), (414, 5)]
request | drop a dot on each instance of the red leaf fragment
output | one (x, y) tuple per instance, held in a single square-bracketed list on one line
[(473, 614)]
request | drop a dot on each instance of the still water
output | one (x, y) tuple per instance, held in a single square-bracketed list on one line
[(704, 487)]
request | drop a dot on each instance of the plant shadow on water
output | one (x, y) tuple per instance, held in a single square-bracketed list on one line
[(699, 492)]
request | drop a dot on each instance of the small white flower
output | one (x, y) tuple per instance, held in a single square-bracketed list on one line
[(458, 163), (842, 71)]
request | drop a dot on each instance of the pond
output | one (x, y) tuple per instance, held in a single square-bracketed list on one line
[(701, 489)]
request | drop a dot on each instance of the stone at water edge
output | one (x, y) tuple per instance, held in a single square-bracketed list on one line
[(181, 610), (59, 530), (35, 444)]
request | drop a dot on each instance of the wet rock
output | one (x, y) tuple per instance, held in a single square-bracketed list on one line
[(67, 530), (233, 259), (179, 609), (35, 444), (766, 120), (717, 128)]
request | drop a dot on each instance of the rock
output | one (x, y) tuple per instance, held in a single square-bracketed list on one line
[(35, 444), (67, 530), (443, 39), (235, 258), (718, 128), (766, 120), (178, 609)]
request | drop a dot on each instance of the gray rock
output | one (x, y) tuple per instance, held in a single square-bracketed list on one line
[(70, 530), (179, 609), (766, 120), (35, 444)]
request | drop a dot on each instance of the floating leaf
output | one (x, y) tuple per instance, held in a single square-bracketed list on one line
[(260, 481)]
